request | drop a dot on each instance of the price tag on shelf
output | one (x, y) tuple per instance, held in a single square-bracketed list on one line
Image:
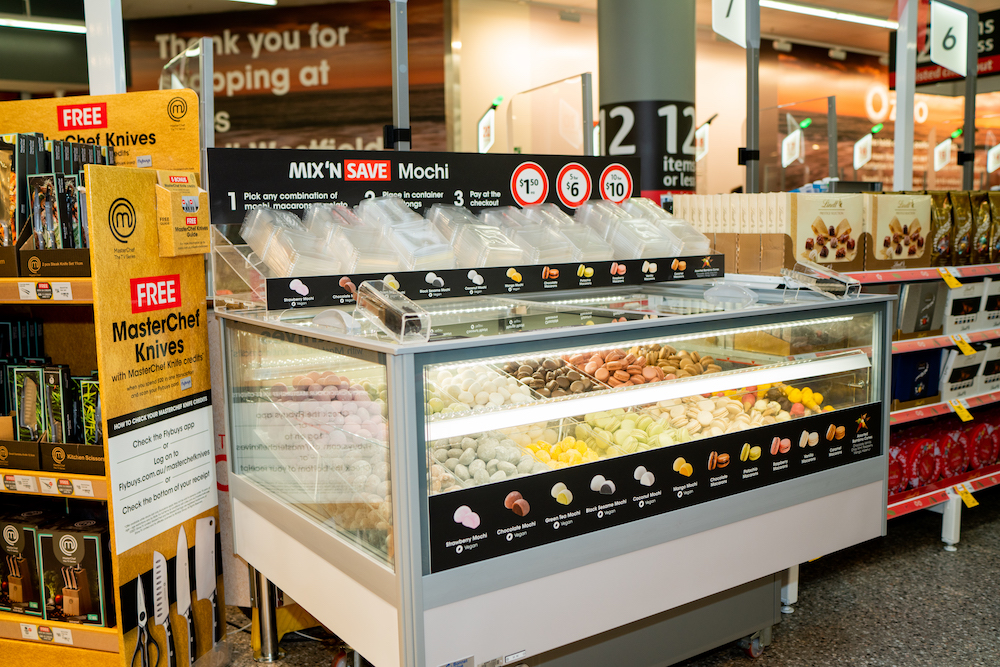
[(966, 496), (962, 342), (25, 483), (949, 278), (961, 408)]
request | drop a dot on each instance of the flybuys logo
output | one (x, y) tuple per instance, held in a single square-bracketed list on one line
[(92, 116), (122, 219)]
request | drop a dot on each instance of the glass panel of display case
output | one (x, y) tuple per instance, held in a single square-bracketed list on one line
[(548, 119), (490, 415), (525, 450), (308, 424)]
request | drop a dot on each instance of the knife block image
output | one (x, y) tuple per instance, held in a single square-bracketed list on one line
[(76, 596), (19, 562), (76, 564), (19, 588)]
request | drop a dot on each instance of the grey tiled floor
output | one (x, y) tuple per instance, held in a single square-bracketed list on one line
[(900, 601)]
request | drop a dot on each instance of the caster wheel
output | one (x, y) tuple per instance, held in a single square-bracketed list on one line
[(754, 648)]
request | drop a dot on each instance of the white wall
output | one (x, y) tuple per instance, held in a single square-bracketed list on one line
[(508, 47)]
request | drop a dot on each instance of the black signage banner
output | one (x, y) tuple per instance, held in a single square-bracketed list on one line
[(634, 487), (244, 179), (661, 134), (324, 291)]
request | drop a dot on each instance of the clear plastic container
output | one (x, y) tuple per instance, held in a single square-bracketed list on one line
[(694, 242), (549, 214), (282, 248), (420, 246), (363, 250), (484, 245), (387, 212), (638, 238), (321, 219), (544, 244), (449, 219), (506, 217), (304, 263), (590, 247), (601, 216), (260, 225)]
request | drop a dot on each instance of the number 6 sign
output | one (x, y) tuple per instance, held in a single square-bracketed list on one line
[(949, 38)]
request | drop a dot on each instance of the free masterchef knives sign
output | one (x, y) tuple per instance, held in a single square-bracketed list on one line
[(157, 128), (244, 179), (156, 410)]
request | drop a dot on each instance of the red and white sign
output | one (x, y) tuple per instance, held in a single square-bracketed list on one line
[(616, 183), (191, 220), (82, 116), (367, 170), (573, 185), (179, 179), (155, 293), (529, 185)]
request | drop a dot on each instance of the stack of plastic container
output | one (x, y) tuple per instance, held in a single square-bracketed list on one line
[(362, 250), (695, 243), (419, 245), (630, 236)]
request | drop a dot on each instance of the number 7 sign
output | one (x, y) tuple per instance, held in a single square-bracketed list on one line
[(729, 19)]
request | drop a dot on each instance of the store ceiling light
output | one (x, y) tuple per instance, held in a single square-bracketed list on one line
[(258, 2), (35, 23), (824, 13)]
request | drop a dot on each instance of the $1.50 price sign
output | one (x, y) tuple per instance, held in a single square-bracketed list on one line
[(529, 185)]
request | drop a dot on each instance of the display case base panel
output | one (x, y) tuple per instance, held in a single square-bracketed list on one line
[(359, 616), (678, 634), (596, 598)]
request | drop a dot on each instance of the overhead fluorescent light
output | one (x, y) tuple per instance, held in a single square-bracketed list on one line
[(823, 13), (35, 23), (259, 2)]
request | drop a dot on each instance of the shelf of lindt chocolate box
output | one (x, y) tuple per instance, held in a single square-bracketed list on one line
[(41, 291), (54, 484), (924, 273)]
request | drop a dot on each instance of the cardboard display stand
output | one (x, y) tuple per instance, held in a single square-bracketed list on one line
[(150, 323)]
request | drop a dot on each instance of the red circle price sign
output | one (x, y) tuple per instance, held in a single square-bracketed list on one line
[(529, 185), (616, 183), (573, 185)]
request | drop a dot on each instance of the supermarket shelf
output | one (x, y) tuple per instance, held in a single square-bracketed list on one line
[(932, 342), (53, 484), (938, 409), (30, 630), (937, 493), (926, 273), (62, 291)]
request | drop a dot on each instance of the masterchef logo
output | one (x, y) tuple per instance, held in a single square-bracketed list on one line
[(155, 293), (366, 170), (92, 116), (122, 219), (179, 179)]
